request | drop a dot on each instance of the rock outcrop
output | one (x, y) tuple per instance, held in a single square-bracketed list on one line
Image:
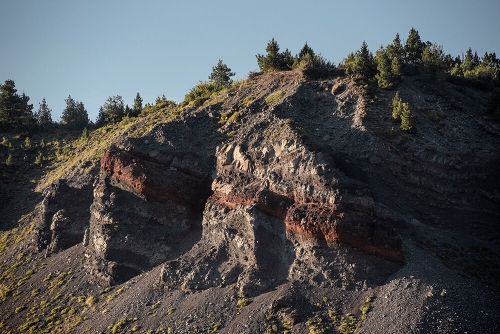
[(305, 190), (274, 197), (63, 215), (243, 210), (148, 202)]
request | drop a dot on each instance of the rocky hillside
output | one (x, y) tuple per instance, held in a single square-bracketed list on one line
[(290, 204)]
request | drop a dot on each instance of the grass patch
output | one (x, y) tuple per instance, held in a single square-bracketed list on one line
[(274, 97)]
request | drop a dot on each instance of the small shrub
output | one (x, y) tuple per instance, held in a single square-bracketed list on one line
[(274, 97), (9, 162), (28, 324), (39, 159), (155, 305), (248, 100), (234, 117), (401, 111), (91, 300), (364, 309), (85, 134), (5, 142), (118, 327), (27, 144), (242, 302), (105, 291), (20, 309)]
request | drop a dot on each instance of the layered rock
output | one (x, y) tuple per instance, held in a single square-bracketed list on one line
[(143, 207), (307, 192), (63, 215), (258, 200), (282, 212)]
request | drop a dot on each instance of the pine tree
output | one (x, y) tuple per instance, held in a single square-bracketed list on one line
[(75, 115), (432, 55), (128, 111), (15, 110), (8, 101), (396, 107), (112, 111), (44, 116), (385, 77), (221, 75), (396, 69), (82, 115), (364, 62), (306, 58), (401, 112), (137, 108), (468, 63), (413, 48), (406, 118), (274, 60), (396, 50), (306, 50)]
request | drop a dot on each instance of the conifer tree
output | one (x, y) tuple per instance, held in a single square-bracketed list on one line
[(396, 107), (432, 58), (15, 110), (44, 116), (304, 51), (9, 99), (137, 108), (112, 111), (413, 48), (401, 112), (221, 75), (305, 58), (128, 111), (396, 69), (274, 60), (75, 115), (406, 117), (364, 62), (396, 50), (384, 76), (468, 63)]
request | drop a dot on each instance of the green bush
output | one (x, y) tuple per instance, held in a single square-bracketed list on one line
[(9, 162), (401, 112), (39, 159), (201, 92)]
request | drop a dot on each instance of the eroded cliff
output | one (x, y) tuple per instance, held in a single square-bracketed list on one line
[(277, 201)]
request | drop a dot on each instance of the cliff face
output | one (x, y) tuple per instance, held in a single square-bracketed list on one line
[(152, 198), (318, 188), (307, 166)]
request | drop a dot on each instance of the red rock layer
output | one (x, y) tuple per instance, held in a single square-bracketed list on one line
[(152, 180), (322, 221)]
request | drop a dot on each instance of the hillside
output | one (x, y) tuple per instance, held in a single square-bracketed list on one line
[(290, 203)]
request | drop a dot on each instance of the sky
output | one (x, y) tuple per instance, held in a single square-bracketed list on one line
[(93, 49)]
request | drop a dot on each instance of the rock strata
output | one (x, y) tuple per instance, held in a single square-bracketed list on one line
[(63, 216)]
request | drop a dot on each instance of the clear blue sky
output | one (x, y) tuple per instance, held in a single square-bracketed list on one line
[(95, 49)]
